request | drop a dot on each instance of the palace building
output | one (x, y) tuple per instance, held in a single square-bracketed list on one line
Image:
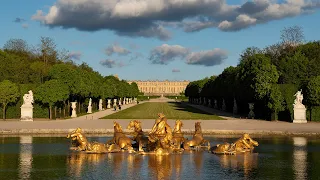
[(161, 87)]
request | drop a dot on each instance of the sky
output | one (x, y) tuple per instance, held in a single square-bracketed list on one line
[(157, 39)]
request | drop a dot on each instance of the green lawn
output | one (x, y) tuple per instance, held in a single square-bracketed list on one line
[(171, 110)]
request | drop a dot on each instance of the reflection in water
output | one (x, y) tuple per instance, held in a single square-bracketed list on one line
[(161, 166), (300, 157), (25, 157), (177, 161), (246, 161), (76, 161)]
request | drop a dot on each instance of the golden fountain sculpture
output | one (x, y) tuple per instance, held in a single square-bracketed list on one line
[(138, 135), (160, 136), (197, 140), (80, 143), (161, 140), (120, 139), (242, 145), (178, 138)]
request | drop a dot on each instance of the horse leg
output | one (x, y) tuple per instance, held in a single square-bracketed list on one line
[(140, 146)]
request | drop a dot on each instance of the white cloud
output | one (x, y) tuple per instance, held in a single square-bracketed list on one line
[(207, 58), (145, 18), (166, 53), (115, 48), (109, 63), (75, 55)]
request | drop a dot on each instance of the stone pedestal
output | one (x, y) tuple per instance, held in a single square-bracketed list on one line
[(114, 102), (109, 104), (120, 101), (74, 106), (299, 115), (26, 112), (89, 110), (127, 100), (100, 105)]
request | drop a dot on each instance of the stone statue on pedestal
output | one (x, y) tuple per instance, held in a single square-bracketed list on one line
[(74, 106), (109, 104), (100, 105), (90, 106), (27, 107), (299, 110)]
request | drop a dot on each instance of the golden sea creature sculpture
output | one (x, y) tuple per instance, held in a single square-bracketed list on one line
[(138, 136), (243, 144), (197, 139), (80, 143), (120, 139), (177, 135)]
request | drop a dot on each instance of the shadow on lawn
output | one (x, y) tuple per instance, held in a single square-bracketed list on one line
[(183, 106)]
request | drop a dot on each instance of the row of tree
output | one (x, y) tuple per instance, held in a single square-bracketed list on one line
[(54, 78), (269, 78)]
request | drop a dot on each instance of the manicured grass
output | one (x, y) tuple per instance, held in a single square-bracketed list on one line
[(172, 110)]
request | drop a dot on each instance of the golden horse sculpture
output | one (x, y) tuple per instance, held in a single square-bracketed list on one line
[(120, 139), (139, 136), (197, 139), (242, 145), (80, 143), (177, 135)]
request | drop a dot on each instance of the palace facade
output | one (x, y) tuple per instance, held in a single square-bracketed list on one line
[(161, 87)]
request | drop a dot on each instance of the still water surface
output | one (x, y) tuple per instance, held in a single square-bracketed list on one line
[(31, 157)]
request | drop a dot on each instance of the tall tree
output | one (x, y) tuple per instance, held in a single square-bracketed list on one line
[(292, 35), (9, 93), (312, 97), (52, 92), (16, 45)]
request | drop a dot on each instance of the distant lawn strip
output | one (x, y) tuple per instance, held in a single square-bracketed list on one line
[(172, 110)]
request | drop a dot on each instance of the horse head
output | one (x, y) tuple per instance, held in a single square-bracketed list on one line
[(117, 127), (250, 140), (177, 127), (197, 127)]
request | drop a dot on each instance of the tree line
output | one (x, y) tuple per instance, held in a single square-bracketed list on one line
[(268, 77), (55, 80)]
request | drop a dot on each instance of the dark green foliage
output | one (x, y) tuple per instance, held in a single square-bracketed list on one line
[(269, 78), (32, 69)]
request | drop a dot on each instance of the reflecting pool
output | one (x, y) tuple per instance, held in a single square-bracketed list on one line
[(32, 157)]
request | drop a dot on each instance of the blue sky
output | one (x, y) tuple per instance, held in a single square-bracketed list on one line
[(138, 39)]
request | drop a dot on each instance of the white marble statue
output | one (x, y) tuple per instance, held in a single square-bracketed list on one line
[(109, 104), (27, 107), (100, 105), (90, 106), (299, 110), (28, 98), (299, 98), (74, 106)]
